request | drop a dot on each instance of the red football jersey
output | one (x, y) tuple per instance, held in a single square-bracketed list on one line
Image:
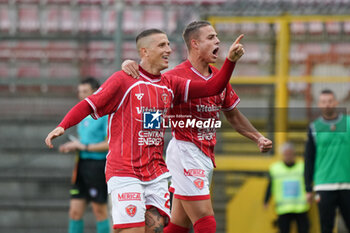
[(201, 109), (136, 150)]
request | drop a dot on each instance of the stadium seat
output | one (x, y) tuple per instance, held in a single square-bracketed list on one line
[(132, 20), (28, 70), (91, 1), (4, 71), (130, 51), (248, 28), (315, 28), (101, 51), (58, 51), (346, 27), (90, 20), (5, 51), (62, 71), (298, 28), (183, 2), (263, 29), (58, 1), (52, 20), (153, 18), (29, 50), (4, 19), (67, 21), (28, 18), (110, 21), (333, 28), (213, 2)]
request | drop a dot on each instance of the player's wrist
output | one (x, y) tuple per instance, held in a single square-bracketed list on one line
[(85, 147)]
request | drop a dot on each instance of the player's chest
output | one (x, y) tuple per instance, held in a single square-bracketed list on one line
[(149, 97)]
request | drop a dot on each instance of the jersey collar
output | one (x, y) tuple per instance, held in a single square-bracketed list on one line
[(150, 77), (194, 70)]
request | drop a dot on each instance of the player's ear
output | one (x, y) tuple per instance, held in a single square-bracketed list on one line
[(194, 44), (143, 52)]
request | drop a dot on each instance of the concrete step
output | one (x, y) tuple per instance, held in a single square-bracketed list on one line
[(13, 161), (38, 215), (28, 135)]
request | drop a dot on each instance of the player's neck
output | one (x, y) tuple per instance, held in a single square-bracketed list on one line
[(150, 69), (199, 64)]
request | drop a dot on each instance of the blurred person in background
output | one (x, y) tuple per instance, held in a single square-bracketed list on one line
[(190, 153), (89, 182), (286, 186), (327, 162)]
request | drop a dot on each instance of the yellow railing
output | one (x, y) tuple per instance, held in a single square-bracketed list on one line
[(280, 80), (245, 212)]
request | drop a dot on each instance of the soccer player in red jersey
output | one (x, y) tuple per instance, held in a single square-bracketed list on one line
[(136, 174), (190, 153)]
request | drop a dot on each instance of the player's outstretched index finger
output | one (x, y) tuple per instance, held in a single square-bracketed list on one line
[(238, 40)]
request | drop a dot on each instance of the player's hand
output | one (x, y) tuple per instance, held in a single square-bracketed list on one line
[(71, 147), (264, 144), (309, 197), (53, 134), (236, 50), (131, 68)]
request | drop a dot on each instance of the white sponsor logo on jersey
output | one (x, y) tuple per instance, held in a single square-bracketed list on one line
[(139, 95)]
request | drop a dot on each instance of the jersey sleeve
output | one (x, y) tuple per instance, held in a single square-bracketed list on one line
[(106, 99), (104, 124), (231, 99), (180, 88)]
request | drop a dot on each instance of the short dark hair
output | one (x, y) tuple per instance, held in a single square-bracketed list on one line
[(192, 31), (327, 91), (148, 32), (93, 82)]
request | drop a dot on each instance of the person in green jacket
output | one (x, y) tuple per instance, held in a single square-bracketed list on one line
[(327, 162), (287, 187)]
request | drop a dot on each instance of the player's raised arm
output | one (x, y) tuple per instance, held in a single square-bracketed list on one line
[(217, 83), (73, 117)]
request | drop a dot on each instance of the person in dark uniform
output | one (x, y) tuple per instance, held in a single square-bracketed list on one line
[(89, 183)]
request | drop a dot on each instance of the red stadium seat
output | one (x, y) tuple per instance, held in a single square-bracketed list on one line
[(248, 28), (341, 48), (52, 21), (90, 20), (132, 20), (315, 28), (100, 71), (333, 28), (28, 70), (183, 2), (29, 50), (67, 22), (130, 51), (5, 51), (4, 71), (346, 27), (110, 22), (58, 1), (28, 18), (62, 71), (213, 2), (4, 19), (58, 51), (90, 1), (153, 18), (298, 28), (101, 51)]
